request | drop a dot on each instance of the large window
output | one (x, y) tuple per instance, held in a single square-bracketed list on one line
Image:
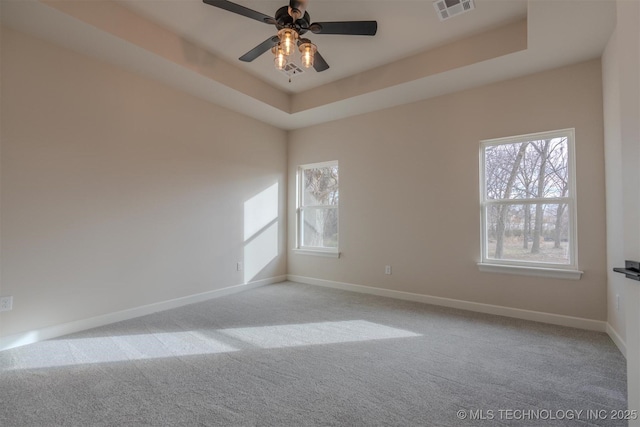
[(318, 199), (528, 200)]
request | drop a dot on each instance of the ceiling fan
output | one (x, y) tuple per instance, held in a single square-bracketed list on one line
[(293, 21)]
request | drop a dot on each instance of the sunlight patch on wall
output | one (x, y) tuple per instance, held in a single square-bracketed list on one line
[(260, 211), (260, 251), (260, 231)]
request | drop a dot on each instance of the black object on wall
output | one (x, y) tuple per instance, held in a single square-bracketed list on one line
[(631, 270)]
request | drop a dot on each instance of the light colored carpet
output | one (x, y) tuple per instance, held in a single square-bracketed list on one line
[(298, 355)]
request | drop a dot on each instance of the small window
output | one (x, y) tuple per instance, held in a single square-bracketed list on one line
[(528, 200), (317, 212)]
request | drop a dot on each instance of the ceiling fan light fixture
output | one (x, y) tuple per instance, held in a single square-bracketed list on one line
[(293, 21), (280, 60), (288, 40), (308, 51)]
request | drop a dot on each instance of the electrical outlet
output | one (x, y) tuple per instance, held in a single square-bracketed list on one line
[(6, 303), (387, 269), (239, 266), (617, 301)]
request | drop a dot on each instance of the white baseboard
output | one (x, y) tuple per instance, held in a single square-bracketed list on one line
[(55, 331), (536, 316), (617, 340)]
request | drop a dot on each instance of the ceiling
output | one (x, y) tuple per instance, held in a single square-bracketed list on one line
[(194, 47), (404, 28)]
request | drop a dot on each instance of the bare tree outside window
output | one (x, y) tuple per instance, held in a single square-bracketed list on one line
[(527, 201), (318, 206)]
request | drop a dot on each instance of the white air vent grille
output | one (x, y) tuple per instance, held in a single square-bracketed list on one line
[(449, 8), (292, 69)]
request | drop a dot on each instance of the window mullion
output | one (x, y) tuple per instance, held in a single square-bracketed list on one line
[(319, 207), (533, 201)]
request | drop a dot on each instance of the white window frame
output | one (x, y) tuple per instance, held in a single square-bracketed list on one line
[(561, 271), (313, 250)]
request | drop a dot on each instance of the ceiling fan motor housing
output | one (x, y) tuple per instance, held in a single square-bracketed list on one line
[(285, 20), (297, 9)]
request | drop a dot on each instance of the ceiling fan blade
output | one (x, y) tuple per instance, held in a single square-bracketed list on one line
[(357, 28), (241, 10), (260, 49), (319, 64)]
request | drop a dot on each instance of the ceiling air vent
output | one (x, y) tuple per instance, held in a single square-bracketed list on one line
[(292, 69), (450, 8)]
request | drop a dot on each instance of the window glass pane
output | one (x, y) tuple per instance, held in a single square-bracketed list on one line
[(320, 186), (320, 227), (530, 169), (528, 232)]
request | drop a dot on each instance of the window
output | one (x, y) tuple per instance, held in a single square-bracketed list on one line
[(528, 201), (317, 213)]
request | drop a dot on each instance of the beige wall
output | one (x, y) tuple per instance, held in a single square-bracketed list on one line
[(119, 192), (614, 186), (409, 191), (621, 89)]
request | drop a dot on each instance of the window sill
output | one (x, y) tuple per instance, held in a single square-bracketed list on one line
[(328, 254), (554, 273)]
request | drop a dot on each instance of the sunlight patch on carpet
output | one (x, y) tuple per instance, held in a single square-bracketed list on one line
[(79, 351), (136, 347), (280, 336)]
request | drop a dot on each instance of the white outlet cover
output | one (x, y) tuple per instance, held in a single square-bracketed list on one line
[(6, 303)]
